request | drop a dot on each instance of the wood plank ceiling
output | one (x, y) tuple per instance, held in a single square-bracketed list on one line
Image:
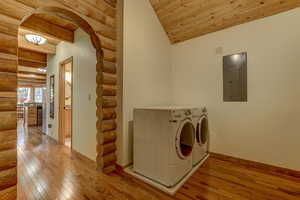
[(187, 19)]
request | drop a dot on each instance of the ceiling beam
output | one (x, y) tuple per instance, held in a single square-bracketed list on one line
[(42, 26)]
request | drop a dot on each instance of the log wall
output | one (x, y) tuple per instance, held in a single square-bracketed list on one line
[(98, 18)]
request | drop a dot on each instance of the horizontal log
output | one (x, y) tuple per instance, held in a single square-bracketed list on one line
[(7, 56), (106, 160), (112, 3), (106, 31), (8, 104), (109, 56), (25, 54), (9, 193), (31, 63), (107, 125), (8, 120), (7, 65), (8, 178), (32, 80), (4, 94), (35, 76), (106, 137), (107, 43), (99, 78), (104, 149), (8, 28), (8, 159), (8, 145), (8, 81), (107, 102), (108, 79), (107, 113), (106, 8), (7, 136), (9, 44), (108, 91), (32, 72), (109, 67)]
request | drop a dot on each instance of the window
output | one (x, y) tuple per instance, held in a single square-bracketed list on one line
[(30, 95), (38, 95), (24, 95)]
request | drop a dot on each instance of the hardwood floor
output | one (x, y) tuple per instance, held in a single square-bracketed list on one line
[(48, 171)]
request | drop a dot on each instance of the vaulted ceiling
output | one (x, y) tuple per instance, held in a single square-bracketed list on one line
[(187, 19)]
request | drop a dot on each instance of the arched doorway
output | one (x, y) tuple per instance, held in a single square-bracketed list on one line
[(106, 136)]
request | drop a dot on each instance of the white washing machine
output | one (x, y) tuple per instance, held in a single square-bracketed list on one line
[(201, 145), (163, 144)]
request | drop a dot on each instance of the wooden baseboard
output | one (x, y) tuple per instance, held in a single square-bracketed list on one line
[(266, 168)]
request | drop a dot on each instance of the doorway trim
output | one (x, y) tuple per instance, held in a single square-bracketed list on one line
[(61, 96)]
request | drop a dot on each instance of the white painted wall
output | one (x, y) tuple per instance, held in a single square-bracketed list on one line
[(84, 84), (147, 67), (267, 127)]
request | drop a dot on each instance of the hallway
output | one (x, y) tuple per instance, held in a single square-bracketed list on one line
[(48, 171)]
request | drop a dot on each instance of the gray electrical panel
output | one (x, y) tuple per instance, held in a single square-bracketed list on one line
[(235, 78)]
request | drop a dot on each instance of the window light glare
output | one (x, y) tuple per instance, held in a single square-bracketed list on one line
[(35, 39), (42, 70)]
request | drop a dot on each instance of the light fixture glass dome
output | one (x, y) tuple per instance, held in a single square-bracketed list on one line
[(35, 39)]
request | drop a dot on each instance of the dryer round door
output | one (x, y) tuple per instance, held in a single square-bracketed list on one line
[(202, 131), (185, 139)]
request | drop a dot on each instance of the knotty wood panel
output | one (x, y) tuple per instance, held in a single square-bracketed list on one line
[(183, 20)]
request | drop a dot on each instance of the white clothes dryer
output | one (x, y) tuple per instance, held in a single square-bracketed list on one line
[(164, 138), (201, 145)]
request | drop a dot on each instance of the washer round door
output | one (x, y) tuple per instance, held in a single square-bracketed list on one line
[(185, 139), (202, 131)]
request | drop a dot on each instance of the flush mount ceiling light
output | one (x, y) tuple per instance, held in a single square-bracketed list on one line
[(35, 39)]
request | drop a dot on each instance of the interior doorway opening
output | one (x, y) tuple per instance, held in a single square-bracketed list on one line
[(66, 102), (45, 38)]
